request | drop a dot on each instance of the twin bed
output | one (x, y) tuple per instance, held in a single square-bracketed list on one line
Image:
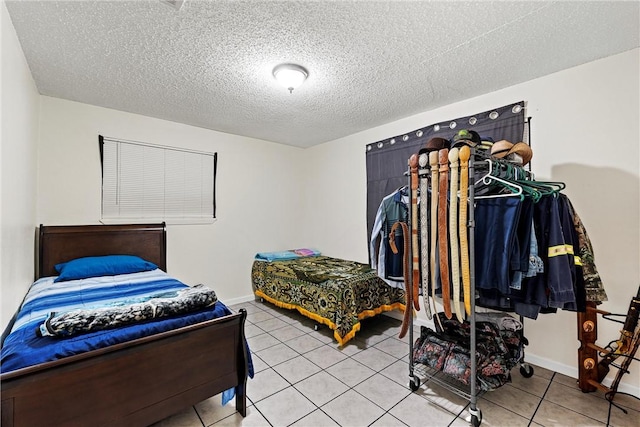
[(162, 367), (334, 292)]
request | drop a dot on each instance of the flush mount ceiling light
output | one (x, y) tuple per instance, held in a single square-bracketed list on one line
[(290, 76)]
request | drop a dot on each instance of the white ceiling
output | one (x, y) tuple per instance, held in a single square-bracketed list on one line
[(209, 63)]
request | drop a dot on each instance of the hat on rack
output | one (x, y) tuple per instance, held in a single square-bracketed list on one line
[(434, 144), (466, 137), (486, 142), (503, 148)]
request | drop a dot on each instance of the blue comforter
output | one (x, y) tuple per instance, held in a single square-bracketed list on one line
[(22, 347)]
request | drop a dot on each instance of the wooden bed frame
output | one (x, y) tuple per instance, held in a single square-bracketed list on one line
[(134, 383)]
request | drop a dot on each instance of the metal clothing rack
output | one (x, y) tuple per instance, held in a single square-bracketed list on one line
[(417, 370)]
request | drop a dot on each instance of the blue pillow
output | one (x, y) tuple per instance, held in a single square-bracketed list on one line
[(109, 265)]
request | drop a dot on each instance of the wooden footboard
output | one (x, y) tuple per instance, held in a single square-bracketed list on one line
[(134, 383)]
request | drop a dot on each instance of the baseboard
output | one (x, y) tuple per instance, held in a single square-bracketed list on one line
[(572, 371), (240, 300), (395, 314)]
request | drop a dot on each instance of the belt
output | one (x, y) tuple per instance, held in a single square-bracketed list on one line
[(453, 233), (433, 161), (415, 254), (423, 161), (443, 247), (465, 153), (408, 311)]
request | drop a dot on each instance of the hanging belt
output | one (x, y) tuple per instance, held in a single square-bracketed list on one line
[(423, 161), (443, 247), (453, 233), (465, 153), (415, 255), (433, 161), (408, 311)]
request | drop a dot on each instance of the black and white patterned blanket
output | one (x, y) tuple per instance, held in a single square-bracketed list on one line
[(111, 316)]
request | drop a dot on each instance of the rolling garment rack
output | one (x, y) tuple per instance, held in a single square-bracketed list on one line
[(418, 370)]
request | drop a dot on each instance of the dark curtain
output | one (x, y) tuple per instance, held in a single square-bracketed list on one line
[(387, 160)]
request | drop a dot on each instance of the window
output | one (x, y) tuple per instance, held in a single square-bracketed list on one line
[(145, 182)]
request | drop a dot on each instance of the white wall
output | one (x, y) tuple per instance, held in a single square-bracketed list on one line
[(258, 193), (585, 127), (19, 113)]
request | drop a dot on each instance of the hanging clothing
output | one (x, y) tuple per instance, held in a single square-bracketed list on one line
[(571, 239), (553, 251), (393, 208), (536, 266), (523, 236), (533, 256), (593, 286), (496, 225), (560, 272)]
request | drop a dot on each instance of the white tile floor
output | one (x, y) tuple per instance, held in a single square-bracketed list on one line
[(303, 378)]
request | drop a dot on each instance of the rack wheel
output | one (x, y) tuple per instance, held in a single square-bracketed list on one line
[(526, 370), (476, 417), (414, 383)]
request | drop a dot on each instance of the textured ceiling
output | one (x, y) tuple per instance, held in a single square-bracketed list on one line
[(209, 63)]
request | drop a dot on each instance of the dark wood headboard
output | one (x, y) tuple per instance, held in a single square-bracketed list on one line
[(63, 243)]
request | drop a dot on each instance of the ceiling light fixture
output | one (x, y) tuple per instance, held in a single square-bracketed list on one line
[(291, 76)]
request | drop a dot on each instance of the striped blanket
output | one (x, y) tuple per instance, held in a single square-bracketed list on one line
[(23, 347), (114, 315)]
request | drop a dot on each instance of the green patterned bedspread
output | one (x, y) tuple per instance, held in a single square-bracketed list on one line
[(332, 291)]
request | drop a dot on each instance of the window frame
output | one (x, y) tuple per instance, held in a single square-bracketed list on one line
[(208, 171)]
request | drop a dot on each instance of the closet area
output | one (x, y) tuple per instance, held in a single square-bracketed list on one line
[(482, 245)]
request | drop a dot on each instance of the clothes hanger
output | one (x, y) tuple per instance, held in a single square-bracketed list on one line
[(530, 177), (546, 188), (513, 172), (534, 189), (558, 185), (490, 178)]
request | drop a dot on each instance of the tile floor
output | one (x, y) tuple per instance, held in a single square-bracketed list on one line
[(304, 379)]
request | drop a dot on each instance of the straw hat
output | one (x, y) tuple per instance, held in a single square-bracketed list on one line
[(503, 148)]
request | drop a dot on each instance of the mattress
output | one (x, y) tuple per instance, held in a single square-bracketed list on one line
[(335, 292), (23, 347)]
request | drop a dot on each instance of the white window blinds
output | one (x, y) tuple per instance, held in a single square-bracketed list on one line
[(150, 182)]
